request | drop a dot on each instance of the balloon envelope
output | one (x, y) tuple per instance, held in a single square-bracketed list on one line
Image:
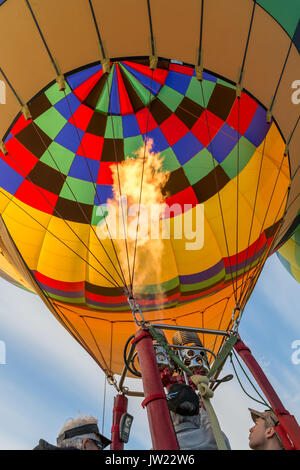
[(218, 149)]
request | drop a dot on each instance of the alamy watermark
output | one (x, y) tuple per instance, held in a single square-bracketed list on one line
[(296, 94), (296, 354), (2, 92), (152, 222), (2, 352)]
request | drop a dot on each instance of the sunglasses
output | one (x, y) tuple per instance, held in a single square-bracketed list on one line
[(99, 444)]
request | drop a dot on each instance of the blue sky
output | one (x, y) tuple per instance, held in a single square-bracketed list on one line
[(48, 378)]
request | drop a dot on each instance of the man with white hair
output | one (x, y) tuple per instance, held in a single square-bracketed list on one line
[(78, 434)]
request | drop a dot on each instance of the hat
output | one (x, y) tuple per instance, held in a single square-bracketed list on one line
[(83, 430), (183, 400), (268, 416)]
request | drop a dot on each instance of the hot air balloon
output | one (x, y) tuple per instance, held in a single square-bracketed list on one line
[(289, 254), (199, 95)]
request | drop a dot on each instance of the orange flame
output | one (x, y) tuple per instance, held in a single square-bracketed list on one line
[(139, 182)]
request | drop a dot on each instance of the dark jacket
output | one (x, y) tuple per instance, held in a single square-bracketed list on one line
[(44, 445)]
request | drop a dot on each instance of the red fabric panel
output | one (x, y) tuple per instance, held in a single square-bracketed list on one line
[(20, 124), (82, 117), (86, 87), (247, 110), (91, 146), (207, 127), (145, 120), (173, 129), (105, 173), (60, 285), (158, 75), (19, 158), (182, 69), (125, 103), (36, 197)]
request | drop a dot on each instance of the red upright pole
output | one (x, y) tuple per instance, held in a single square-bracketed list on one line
[(120, 407), (287, 422), (161, 427)]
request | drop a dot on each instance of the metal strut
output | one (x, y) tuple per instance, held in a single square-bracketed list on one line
[(136, 310)]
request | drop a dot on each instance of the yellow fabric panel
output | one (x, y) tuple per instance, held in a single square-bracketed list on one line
[(57, 260), (26, 226)]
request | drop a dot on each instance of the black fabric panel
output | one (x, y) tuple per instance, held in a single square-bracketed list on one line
[(105, 291), (39, 105), (210, 184), (97, 124), (47, 178), (271, 231), (177, 182), (189, 112), (93, 97), (159, 111), (74, 211), (296, 38), (135, 100), (221, 101), (113, 150), (35, 140)]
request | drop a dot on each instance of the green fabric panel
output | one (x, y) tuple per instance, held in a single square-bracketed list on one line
[(171, 98), (295, 273), (157, 288), (84, 191), (145, 95), (194, 91), (104, 99), (97, 218), (67, 299), (58, 156), (131, 145), (114, 127), (222, 82), (199, 166), (51, 122), (286, 12), (296, 235), (169, 160), (108, 309), (54, 95), (297, 255), (246, 150)]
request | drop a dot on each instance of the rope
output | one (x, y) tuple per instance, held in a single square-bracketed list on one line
[(223, 355), (55, 236), (141, 187), (263, 223), (202, 384), (97, 28), (119, 182), (263, 402), (99, 201), (151, 29), (218, 190), (59, 215), (103, 408), (57, 72), (42, 37)]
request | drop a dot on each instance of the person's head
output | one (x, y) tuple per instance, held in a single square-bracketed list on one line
[(82, 433), (182, 400), (263, 434)]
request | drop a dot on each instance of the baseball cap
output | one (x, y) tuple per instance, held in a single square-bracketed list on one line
[(268, 416)]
